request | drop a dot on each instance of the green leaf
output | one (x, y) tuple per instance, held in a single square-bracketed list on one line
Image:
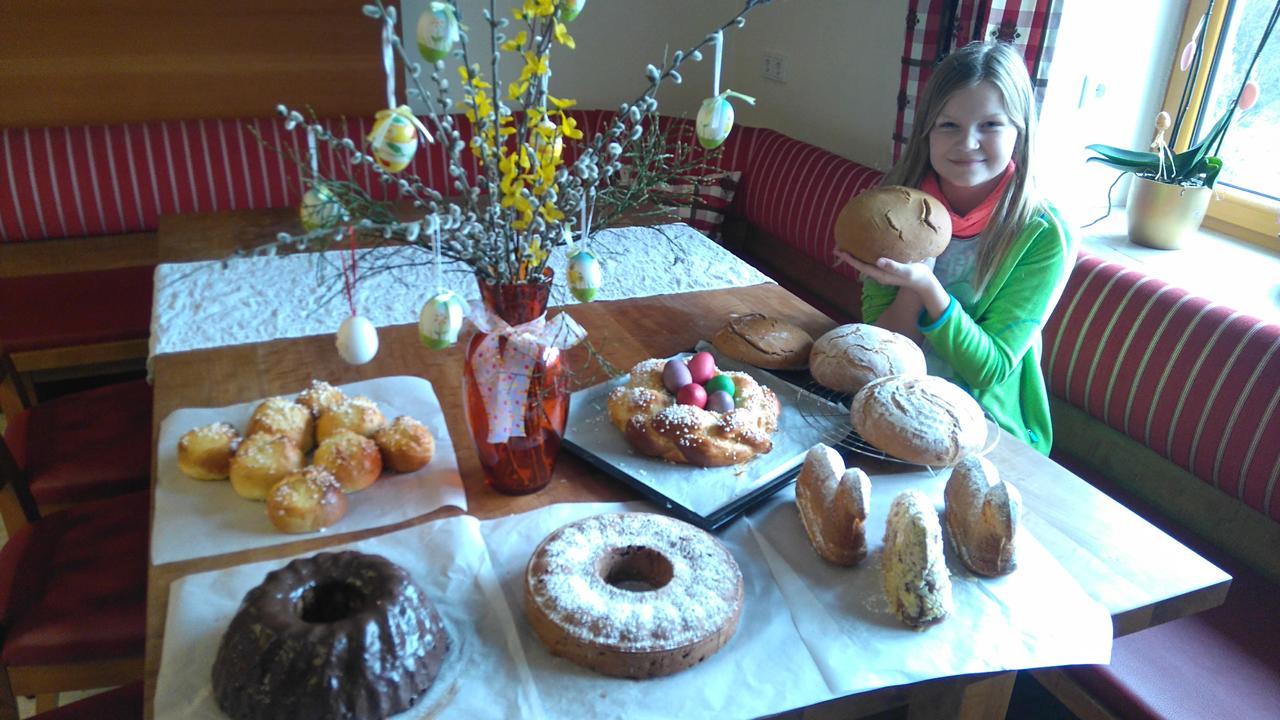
[(1192, 156), (1212, 166), (1121, 158)]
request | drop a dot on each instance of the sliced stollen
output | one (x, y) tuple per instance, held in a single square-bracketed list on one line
[(921, 419), (916, 581), (982, 515), (765, 342), (850, 356), (834, 503)]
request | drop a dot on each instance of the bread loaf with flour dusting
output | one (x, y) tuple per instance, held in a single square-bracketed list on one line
[(850, 356), (914, 569), (920, 419)]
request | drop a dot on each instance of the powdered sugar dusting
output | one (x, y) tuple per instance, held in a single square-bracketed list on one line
[(703, 594)]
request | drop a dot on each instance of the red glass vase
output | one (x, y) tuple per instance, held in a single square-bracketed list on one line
[(521, 464)]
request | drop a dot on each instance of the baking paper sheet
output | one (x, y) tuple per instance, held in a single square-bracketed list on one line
[(1037, 616), (198, 518)]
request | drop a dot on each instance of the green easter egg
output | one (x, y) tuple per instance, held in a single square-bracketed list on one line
[(721, 382)]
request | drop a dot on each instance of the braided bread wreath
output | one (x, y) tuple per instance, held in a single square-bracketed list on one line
[(655, 424)]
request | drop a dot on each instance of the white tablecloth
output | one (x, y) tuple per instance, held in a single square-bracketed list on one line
[(206, 304)]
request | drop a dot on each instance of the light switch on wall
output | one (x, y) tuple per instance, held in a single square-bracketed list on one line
[(775, 66)]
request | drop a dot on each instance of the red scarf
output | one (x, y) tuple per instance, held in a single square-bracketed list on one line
[(972, 224)]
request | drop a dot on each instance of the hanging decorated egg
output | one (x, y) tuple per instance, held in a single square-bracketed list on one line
[(715, 120), (441, 320), (394, 138), (584, 275), (320, 209), (437, 31), (357, 340), (570, 9)]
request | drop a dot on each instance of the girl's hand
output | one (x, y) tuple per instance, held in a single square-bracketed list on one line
[(914, 276)]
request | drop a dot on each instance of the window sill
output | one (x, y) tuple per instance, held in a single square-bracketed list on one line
[(1210, 264)]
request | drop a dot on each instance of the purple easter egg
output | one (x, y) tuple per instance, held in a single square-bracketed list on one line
[(702, 367), (675, 375), (720, 402)]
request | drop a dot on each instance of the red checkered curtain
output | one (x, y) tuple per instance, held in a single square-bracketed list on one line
[(936, 27)]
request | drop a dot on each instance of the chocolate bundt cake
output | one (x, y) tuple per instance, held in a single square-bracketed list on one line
[(335, 635)]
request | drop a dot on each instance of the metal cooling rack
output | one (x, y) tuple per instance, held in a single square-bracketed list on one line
[(827, 411)]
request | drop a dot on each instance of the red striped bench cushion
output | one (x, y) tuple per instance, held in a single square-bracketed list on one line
[(1192, 380), (794, 191)]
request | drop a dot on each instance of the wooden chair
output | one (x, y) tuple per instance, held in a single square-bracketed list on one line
[(122, 703), (73, 596), (77, 448)]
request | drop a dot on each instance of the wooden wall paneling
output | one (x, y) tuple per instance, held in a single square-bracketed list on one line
[(78, 62)]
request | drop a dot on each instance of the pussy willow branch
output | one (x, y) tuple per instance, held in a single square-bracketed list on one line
[(465, 237)]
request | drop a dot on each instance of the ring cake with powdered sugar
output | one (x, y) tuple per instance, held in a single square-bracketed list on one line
[(633, 595)]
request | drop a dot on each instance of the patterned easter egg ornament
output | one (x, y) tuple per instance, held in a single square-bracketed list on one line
[(585, 275), (437, 31), (357, 340), (320, 209), (715, 118), (441, 320), (394, 138), (571, 8)]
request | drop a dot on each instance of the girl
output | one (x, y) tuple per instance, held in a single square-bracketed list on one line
[(978, 309)]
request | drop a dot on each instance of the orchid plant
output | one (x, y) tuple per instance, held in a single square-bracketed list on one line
[(1198, 165)]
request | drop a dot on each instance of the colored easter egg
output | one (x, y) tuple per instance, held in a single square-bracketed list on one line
[(692, 394), (571, 8), (720, 401), (441, 320), (715, 120), (702, 367), (437, 31), (585, 275), (320, 209), (721, 383), (394, 139), (357, 340), (1248, 95), (675, 375)]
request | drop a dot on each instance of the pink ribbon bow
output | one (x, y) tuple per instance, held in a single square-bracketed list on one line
[(503, 374)]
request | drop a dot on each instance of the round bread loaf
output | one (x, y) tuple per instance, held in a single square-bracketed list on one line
[(763, 341), (921, 419), (896, 222), (850, 356)]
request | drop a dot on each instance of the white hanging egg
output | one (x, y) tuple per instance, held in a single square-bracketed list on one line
[(394, 139), (320, 209), (571, 8), (715, 120), (441, 320), (437, 31), (585, 275), (357, 340)]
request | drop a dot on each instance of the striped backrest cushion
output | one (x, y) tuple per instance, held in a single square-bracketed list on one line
[(794, 191), (1194, 381)]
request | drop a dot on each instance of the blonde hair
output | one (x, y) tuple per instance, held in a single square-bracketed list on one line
[(1003, 67)]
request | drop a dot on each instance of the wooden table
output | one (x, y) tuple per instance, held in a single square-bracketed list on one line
[(1140, 575)]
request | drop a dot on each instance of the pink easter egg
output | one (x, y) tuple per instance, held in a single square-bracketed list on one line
[(702, 367), (1248, 96), (692, 394)]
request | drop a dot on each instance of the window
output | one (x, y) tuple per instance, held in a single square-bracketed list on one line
[(1247, 201)]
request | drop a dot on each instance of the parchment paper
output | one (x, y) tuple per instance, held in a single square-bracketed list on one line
[(197, 518), (1037, 616)]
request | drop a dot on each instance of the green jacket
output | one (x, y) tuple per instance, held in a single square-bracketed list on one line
[(993, 344)]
